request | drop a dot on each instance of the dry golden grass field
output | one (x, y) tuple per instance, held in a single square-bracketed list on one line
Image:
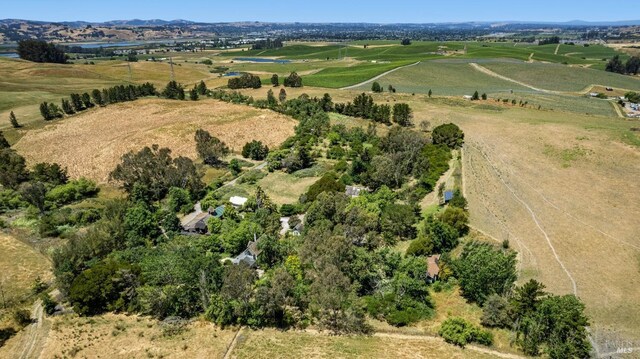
[(20, 265), (91, 144)]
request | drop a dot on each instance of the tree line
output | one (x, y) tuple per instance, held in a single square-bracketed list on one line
[(80, 102), (41, 51), (631, 67)]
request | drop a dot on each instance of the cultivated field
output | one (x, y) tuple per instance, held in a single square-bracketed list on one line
[(91, 144), (561, 77)]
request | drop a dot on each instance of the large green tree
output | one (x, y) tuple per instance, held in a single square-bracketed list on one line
[(484, 269), (210, 148)]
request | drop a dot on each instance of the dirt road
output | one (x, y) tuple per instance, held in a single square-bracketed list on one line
[(377, 77), (35, 333)]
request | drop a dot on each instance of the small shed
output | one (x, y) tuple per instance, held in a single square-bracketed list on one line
[(448, 196), (354, 191), (218, 212), (237, 201)]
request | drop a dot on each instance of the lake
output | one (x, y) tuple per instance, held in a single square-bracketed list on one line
[(12, 55), (261, 59)]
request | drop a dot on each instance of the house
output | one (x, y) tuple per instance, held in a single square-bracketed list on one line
[(594, 94), (467, 97), (237, 201), (354, 191), (197, 224), (433, 269), (448, 196), (249, 256)]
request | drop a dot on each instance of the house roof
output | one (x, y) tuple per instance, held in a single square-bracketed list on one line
[(238, 201), (354, 191), (218, 212), (199, 221), (448, 195), (433, 269)]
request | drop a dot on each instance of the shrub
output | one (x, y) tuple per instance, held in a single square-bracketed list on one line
[(448, 134), (460, 332), (22, 317), (288, 210), (72, 191)]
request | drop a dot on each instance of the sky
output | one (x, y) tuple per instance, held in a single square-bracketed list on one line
[(374, 11)]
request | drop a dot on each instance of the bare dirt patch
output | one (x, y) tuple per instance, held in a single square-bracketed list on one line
[(92, 143)]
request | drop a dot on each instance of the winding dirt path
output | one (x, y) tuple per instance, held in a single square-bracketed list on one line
[(35, 333), (486, 71), (377, 77)]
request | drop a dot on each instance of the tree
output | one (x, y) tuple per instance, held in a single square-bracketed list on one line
[(483, 270), (615, 65), (13, 120), (13, 169), (527, 297), (34, 193), (448, 134), (282, 96), (3, 142), (495, 312), (405, 42), (327, 183), (174, 91), (245, 81), (97, 97), (50, 173), (271, 99), (255, 150), (150, 172), (50, 111), (457, 218), (633, 65), (275, 81), (234, 167), (193, 94), (210, 148), (375, 87), (67, 108), (475, 96), (131, 57), (402, 114), (202, 88), (430, 93), (86, 100), (484, 96), (293, 80), (326, 103), (40, 51), (76, 101)]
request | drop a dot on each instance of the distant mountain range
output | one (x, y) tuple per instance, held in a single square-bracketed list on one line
[(178, 22)]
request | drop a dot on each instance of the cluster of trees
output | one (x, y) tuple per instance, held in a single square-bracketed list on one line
[(80, 102), (363, 106), (631, 67), (267, 44), (633, 97), (293, 80), (41, 51), (549, 41), (245, 81)]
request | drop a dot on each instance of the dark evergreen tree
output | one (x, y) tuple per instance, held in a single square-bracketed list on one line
[(76, 101), (293, 80), (86, 100), (402, 114), (97, 97), (193, 94), (173, 91), (615, 65), (66, 107), (14, 120), (282, 96), (274, 80), (202, 88)]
